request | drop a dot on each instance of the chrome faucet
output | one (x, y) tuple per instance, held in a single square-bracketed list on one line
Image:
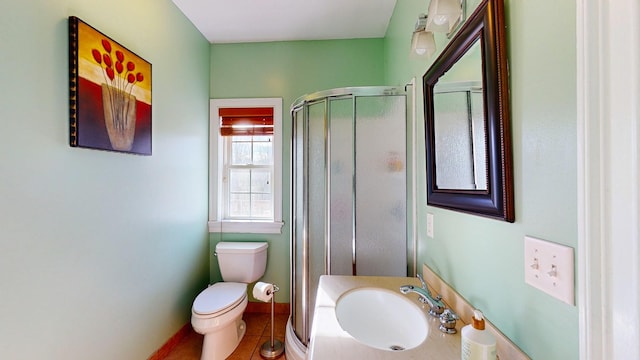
[(435, 303)]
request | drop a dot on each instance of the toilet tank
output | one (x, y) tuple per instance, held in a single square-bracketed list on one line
[(243, 262)]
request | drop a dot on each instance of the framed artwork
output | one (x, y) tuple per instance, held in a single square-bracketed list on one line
[(109, 93)]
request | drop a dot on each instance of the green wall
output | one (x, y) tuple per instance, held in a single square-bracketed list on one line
[(288, 70), (101, 253), (483, 258)]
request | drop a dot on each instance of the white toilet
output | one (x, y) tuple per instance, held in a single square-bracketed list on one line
[(217, 311)]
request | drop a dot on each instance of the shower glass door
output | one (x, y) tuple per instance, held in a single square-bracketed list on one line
[(381, 186), (349, 191)]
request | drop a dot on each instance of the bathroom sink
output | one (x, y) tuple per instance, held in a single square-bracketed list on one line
[(382, 318)]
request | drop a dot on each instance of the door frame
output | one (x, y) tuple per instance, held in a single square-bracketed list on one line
[(608, 97)]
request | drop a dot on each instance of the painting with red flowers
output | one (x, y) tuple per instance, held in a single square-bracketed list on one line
[(110, 93)]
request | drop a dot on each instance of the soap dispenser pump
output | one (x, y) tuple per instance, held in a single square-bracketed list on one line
[(477, 343)]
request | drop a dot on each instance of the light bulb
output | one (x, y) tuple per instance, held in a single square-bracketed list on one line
[(440, 19)]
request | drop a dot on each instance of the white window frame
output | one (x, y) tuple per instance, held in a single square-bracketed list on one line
[(216, 170)]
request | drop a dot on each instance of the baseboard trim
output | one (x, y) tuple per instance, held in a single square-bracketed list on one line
[(173, 341)]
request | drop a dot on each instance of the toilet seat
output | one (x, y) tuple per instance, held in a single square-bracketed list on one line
[(219, 298)]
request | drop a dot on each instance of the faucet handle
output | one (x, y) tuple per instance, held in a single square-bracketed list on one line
[(448, 322), (424, 285)]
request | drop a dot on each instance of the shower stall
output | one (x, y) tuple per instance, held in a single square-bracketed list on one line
[(349, 189)]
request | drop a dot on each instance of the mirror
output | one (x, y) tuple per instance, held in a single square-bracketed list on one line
[(467, 124), (460, 147)]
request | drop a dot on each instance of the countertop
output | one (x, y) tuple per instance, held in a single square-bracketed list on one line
[(329, 342)]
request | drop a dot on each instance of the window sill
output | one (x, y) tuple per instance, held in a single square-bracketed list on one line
[(246, 227)]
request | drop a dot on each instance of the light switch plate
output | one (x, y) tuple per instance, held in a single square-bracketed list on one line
[(430, 225), (549, 267)]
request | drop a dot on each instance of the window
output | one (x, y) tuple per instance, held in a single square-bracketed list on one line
[(245, 165)]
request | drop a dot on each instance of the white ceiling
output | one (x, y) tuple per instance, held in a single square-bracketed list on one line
[(234, 21)]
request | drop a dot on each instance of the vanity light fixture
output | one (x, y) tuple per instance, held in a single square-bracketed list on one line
[(422, 41), (444, 15)]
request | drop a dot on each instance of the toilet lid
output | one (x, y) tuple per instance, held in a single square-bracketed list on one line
[(218, 297)]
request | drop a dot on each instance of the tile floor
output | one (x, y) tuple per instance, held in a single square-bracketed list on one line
[(258, 332)]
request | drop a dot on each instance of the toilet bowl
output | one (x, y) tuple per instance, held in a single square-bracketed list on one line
[(217, 311), (217, 314)]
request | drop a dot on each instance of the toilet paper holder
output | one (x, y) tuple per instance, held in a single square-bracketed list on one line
[(272, 348)]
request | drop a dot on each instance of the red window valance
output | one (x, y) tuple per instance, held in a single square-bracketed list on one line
[(246, 121)]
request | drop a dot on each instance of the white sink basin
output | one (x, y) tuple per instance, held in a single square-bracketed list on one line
[(382, 318)]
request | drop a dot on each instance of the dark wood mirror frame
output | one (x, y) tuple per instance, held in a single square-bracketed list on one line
[(487, 24)]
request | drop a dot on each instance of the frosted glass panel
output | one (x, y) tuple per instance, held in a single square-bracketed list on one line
[(381, 230), (341, 179), (298, 313), (316, 200)]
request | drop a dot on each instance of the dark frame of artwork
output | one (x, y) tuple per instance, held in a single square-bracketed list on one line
[(109, 93)]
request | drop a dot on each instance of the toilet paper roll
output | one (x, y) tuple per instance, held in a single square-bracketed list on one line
[(263, 291)]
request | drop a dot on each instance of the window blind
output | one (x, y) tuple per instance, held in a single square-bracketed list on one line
[(246, 121)]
